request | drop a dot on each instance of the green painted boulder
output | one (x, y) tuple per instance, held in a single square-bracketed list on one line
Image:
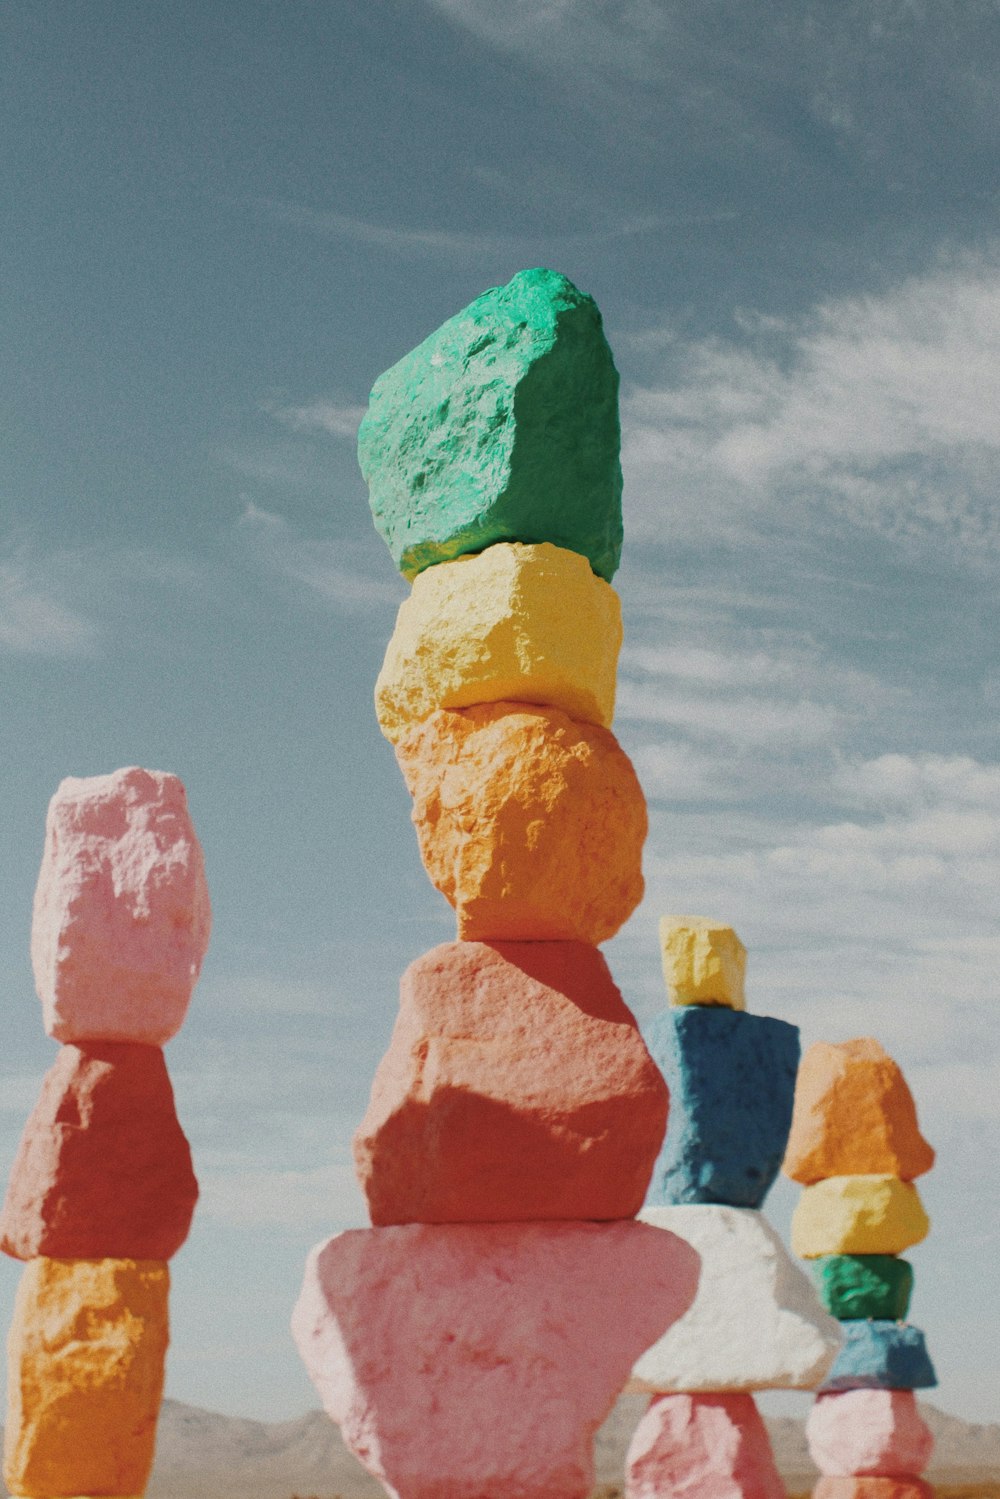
[(501, 426), (855, 1286)]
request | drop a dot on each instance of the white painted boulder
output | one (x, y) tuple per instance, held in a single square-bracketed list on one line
[(756, 1322), (471, 1359)]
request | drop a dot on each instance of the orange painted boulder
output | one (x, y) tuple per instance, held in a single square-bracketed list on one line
[(104, 1168), (85, 1376), (516, 1086), (530, 823), (853, 1115)]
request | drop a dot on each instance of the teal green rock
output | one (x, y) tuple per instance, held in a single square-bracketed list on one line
[(852, 1286), (501, 426)]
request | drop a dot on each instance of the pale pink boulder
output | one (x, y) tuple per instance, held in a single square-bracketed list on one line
[(122, 915), (470, 1360), (702, 1447), (868, 1433)]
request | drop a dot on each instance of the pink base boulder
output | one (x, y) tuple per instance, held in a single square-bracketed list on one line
[(476, 1361), (702, 1447), (860, 1433)]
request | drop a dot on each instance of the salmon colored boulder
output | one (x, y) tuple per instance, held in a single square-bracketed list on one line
[(103, 1168), (702, 1447), (477, 1360), (121, 916), (85, 1376), (854, 1114), (873, 1488), (530, 823), (529, 624), (516, 1086), (852, 1433), (871, 1214)]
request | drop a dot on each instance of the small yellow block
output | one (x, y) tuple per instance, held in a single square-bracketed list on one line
[(870, 1214), (85, 1376), (703, 962), (524, 624)]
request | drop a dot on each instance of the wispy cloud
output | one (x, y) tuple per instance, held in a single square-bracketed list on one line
[(881, 412), (335, 571), (34, 619), (337, 418)]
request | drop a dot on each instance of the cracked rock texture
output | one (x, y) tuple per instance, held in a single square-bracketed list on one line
[(532, 825), (501, 426)]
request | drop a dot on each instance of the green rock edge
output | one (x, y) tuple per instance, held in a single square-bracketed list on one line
[(583, 516), (856, 1287)]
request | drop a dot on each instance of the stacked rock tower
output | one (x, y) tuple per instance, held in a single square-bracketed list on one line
[(470, 1343), (102, 1190), (756, 1322), (856, 1146)]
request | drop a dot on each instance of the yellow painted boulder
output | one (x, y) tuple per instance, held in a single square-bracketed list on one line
[(853, 1113), (704, 962), (531, 824), (528, 624), (85, 1376), (865, 1214)]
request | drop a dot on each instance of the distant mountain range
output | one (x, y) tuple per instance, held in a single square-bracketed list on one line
[(202, 1455)]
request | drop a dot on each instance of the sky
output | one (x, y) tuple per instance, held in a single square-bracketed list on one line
[(223, 220)]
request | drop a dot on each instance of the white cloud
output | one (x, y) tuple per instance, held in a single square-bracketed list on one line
[(882, 411), (34, 620), (336, 571), (337, 418)]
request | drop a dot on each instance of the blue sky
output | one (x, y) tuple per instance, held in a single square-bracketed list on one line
[(223, 221)]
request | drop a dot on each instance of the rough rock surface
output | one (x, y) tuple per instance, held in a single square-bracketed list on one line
[(872, 1488), (501, 426), (881, 1356), (103, 1168), (869, 1214), (854, 1114), (704, 962), (864, 1285), (466, 1360), (702, 1447), (121, 918), (527, 624), (731, 1078), (756, 1323), (531, 824), (516, 1086), (85, 1376), (859, 1432)]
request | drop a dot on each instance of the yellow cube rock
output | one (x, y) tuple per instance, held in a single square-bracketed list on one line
[(870, 1214), (528, 624), (704, 962), (85, 1376)]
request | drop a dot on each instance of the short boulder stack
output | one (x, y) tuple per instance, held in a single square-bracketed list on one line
[(755, 1323), (855, 1145), (471, 1342), (102, 1189)]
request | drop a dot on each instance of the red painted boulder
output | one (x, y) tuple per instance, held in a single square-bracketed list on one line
[(516, 1086), (857, 1433), (103, 1169), (702, 1447), (470, 1360), (121, 916)]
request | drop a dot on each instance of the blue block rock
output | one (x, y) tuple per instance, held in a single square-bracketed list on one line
[(731, 1077), (881, 1356)]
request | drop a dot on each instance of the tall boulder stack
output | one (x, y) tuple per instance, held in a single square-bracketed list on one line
[(473, 1339), (755, 1323), (102, 1189), (856, 1147)]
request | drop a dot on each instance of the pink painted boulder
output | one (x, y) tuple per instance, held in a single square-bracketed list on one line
[(861, 1433), (470, 1360), (516, 1086), (701, 1447), (103, 1170), (122, 915), (873, 1488)]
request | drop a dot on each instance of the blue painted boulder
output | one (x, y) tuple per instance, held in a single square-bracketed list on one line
[(881, 1356), (731, 1077)]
